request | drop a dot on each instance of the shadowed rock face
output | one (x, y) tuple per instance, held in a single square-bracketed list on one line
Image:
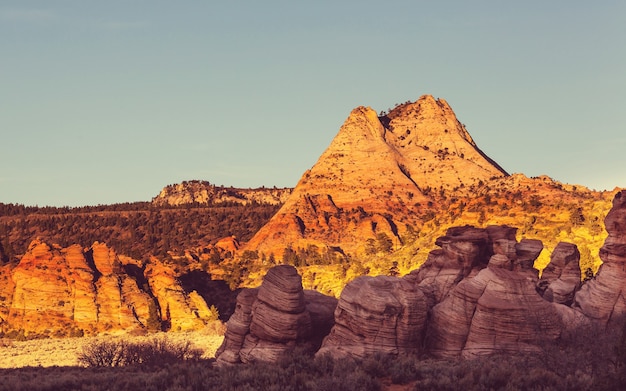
[(603, 298), (377, 315), (464, 250), (274, 318), (380, 164), (497, 310)]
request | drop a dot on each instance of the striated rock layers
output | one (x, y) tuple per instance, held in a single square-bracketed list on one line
[(603, 299), (377, 315), (56, 291), (274, 318), (375, 173), (498, 310)]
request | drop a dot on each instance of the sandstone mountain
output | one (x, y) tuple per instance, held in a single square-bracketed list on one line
[(375, 172), (387, 186), (205, 193)]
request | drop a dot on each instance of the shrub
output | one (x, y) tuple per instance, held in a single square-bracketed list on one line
[(157, 351)]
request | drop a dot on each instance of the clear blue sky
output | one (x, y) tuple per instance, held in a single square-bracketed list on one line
[(109, 101)]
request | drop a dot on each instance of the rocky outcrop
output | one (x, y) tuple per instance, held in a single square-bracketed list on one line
[(477, 295), (498, 310), (238, 327), (377, 315), (205, 193), (56, 291), (603, 298), (561, 278), (179, 310), (464, 251), (275, 318)]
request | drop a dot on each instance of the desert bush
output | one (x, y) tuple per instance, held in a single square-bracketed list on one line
[(116, 353)]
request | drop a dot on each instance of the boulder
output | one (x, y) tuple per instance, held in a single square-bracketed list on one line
[(237, 327), (377, 315)]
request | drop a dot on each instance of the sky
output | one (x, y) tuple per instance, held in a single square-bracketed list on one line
[(106, 102)]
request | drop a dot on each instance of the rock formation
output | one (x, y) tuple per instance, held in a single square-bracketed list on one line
[(205, 193), (498, 310), (274, 318), (377, 315), (561, 278), (463, 250), (603, 299), (375, 171), (56, 291)]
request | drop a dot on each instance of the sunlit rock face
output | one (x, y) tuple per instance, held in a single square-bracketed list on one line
[(56, 291), (377, 315), (71, 291), (603, 298), (373, 176), (275, 318)]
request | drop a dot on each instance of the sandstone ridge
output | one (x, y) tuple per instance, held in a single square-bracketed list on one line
[(71, 291), (205, 193)]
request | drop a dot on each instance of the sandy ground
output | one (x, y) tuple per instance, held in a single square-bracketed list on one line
[(63, 352)]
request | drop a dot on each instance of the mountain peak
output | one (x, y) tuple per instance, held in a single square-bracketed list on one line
[(386, 164)]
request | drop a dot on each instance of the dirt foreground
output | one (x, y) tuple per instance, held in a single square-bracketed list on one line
[(64, 352)]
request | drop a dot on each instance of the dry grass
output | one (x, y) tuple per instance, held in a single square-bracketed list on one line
[(64, 352)]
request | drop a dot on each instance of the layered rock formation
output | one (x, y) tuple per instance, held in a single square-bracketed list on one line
[(498, 310), (205, 193), (377, 315), (375, 171), (561, 278), (463, 250), (56, 291), (603, 299), (274, 318)]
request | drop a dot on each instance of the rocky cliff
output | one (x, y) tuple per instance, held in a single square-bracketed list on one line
[(56, 291), (205, 193)]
